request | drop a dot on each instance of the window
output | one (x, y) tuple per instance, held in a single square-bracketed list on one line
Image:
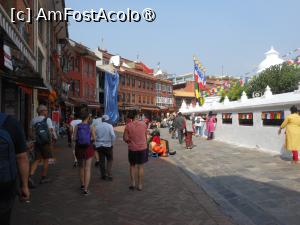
[(123, 97), (76, 88), (148, 85), (76, 67), (152, 100), (246, 119), (148, 100), (158, 87), (128, 80), (273, 118), (128, 97), (227, 118), (133, 98), (139, 84), (71, 64), (144, 99), (86, 68), (144, 84), (133, 82), (140, 99), (163, 87), (122, 78), (91, 69)]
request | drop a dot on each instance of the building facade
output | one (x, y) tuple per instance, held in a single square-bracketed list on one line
[(26, 65), (138, 88), (80, 68)]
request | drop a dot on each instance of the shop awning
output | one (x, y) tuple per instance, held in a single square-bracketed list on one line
[(150, 108), (77, 101), (94, 105), (34, 82)]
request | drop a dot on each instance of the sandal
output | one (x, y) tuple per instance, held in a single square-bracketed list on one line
[(131, 188)]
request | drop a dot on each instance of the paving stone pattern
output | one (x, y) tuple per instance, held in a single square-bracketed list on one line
[(169, 196), (253, 187)]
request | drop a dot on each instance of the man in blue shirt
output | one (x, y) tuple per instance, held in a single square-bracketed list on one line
[(105, 137)]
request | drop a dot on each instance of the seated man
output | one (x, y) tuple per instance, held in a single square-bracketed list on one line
[(157, 145)]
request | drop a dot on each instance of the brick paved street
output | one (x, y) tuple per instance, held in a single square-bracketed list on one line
[(169, 196), (251, 186)]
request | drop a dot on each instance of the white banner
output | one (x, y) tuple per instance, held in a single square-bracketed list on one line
[(7, 57)]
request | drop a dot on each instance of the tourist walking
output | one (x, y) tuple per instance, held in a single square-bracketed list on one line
[(69, 129), (180, 127), (95, 122), (73, 125), (292, 132), (199, 124), (84, 150), (43, 133), (105, 137), (210, 125), (189, 131), (12, 155), (135, 135)]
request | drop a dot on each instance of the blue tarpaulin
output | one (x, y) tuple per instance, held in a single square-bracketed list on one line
[(111, 96)]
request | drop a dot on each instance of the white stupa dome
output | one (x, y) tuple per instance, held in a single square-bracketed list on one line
[(272, 59)]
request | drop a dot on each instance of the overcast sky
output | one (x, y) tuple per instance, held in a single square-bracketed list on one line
[(232, 33)]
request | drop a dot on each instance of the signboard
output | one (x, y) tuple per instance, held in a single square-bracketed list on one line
[(15, 37), (7, 57), (55, 117)]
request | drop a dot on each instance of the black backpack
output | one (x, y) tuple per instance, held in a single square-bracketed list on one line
[(8, 163), (42, 134)]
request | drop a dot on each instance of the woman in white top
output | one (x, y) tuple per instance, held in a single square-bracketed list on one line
[(199, 124)]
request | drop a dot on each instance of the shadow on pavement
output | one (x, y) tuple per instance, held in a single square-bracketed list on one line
[(168, 197)]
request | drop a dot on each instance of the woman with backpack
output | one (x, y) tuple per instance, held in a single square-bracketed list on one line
[(84, 151)]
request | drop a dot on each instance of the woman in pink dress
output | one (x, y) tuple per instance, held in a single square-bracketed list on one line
[(210, 125)]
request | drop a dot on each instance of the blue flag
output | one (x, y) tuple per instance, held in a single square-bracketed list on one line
[(111, 96)]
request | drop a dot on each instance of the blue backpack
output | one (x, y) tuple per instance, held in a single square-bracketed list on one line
[(8, 164), (83, 135)]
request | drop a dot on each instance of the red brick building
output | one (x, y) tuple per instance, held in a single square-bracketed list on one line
[(80, 67), (140, 89)]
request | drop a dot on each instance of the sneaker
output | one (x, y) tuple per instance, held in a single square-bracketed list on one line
[(85, 193), (31, 183), (44, 180), (82, 187), (109, 178), (75, 164)]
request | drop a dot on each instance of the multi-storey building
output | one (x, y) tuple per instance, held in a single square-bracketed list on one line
[(26, 65), (80, 67), (137, 86)]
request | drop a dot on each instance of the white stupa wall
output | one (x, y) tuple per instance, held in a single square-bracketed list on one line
[(258, 136)]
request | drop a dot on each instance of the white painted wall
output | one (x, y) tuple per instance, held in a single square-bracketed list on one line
[(258, 136), (261, 137)]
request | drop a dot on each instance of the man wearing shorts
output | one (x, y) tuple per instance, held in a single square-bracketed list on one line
[(44, 151)]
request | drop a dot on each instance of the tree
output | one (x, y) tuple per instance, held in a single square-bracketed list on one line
[(281, 78), (234, 93)]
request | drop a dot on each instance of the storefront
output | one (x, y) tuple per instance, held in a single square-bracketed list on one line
[(17, 73)]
